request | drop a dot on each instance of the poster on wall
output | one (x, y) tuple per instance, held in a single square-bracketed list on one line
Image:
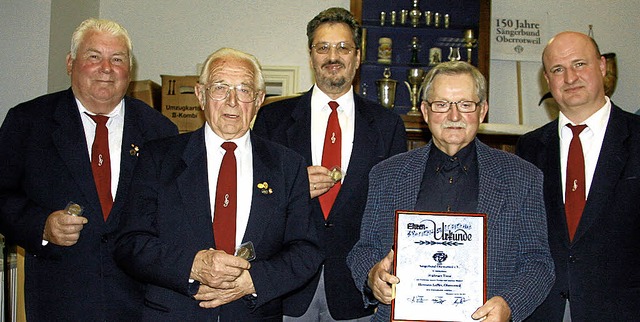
[(520, 37)]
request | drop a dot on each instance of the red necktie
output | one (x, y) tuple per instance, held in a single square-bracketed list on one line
[(331, 156), (224, 218), (101, 164), (574, 199)]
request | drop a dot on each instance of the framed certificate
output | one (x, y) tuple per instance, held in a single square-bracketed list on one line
[(441, 261)]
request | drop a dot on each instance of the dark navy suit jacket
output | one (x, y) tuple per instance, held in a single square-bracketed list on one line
[(378, 134), (600, 271), (44, 163), (168, 220)]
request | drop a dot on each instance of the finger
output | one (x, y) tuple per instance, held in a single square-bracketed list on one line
[(210, 304)]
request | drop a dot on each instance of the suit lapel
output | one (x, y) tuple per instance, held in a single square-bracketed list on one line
[(131, 138), (611, 162), (549, 161), (365, 139), (193, 187), (491, 187), (264, 170), (71, 144), (299, 133)]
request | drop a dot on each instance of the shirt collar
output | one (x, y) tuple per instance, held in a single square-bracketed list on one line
[(320, 99), (116, 113), (596, 123), (464, 157), (213, 140)]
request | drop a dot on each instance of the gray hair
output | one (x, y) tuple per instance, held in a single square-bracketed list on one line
[(101, 25), (335, 15), (456, 68), (233, 53)]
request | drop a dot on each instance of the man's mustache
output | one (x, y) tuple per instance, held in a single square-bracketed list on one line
[(450, 124), (333, 62)]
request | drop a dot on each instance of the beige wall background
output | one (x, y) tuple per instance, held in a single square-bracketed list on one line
[(173, 37)]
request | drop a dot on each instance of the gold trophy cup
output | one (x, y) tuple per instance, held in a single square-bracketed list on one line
[(415, 76)]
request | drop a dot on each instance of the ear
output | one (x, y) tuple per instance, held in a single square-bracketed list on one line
[(358, 53), (483, 111), (199, 91), (69, 64), (260, 100), (603, 65), (424, 108)]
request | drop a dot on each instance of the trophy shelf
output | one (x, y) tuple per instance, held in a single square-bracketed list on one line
[(463, 15)]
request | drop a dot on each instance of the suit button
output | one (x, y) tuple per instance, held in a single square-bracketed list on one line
[(572, 259), (328, 225), (564, 295), (104, 239)]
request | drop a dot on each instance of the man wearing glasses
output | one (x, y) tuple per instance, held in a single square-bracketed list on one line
[(341, 136), (457, 173), (202, 197)]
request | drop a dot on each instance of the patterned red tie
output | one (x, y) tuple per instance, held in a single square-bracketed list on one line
[(224, 218), (101, 164), (574, 199), (331, 156)]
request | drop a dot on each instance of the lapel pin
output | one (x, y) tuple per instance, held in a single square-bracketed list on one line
[(134, 150), (264, 188)]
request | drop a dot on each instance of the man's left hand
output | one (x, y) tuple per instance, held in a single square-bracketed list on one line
[(213, 297), (495, 309)]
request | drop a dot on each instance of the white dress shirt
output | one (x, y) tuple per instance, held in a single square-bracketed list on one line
[(591, 138), (320, 111), (115, 126), (244, 166)]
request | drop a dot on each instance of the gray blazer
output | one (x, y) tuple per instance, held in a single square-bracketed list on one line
[(519, 269)]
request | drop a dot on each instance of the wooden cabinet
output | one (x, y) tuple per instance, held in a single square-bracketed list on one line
[(463, 15)]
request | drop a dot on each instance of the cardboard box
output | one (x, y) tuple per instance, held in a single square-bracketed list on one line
[(179, 102), (146, 91)]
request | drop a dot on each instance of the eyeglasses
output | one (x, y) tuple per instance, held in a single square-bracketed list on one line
[(220, 91), (323, 48), (444, 106)]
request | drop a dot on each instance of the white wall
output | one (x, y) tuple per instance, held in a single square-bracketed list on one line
[(172, 37), (24, 49), (615, 26)]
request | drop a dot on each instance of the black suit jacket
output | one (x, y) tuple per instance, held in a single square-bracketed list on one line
[(378, 134), (45, 164), (600, 271), (168, 220)]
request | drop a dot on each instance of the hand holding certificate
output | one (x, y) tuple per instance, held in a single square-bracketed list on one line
[(440, 259)]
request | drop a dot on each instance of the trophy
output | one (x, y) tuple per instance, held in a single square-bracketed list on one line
[(454, 53), (469, 42), (386, 89), (415, 47), (415, 76), (415, 14)]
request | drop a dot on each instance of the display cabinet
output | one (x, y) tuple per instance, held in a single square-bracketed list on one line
[(422, 33)]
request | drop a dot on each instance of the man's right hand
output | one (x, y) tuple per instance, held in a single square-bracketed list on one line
[(380, 279), (63, 229), (217, 269), (320, 180)]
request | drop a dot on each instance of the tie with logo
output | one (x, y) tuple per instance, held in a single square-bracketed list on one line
[(224, 218), (331, 156), (574, 199), (101, 164)]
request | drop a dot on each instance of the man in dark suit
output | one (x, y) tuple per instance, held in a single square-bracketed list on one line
[(46, 162), (167, 238), (369, 134), (594, 243), (457, 173)]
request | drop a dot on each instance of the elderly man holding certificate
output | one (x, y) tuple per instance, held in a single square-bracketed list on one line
[(463, 193)]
